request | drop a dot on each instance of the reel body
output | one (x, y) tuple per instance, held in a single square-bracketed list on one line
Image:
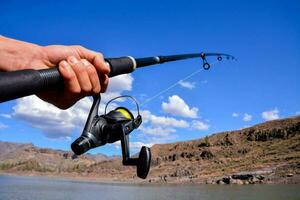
[(109, 128)]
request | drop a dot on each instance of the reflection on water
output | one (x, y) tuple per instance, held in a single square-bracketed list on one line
[(40, 188)]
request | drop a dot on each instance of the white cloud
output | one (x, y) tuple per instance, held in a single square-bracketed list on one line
[(105, 97), (247, 117), (160, 126), (162, 121), (199, 125), (8, 116), (146, 115), (168, 121), (157, 131), (55, 123), (177, 107), (117, 85), (3, 126), (270, 114), (162, 129), (120, 83), (187, 84), (235, 114), (298, 113), (156, 135)]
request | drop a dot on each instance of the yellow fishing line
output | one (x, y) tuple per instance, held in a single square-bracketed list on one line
[(125, 113)]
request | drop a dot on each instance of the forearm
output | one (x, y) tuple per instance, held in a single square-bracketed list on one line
[(17, 55)]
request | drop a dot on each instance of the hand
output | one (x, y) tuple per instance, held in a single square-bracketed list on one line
[(84, 71)]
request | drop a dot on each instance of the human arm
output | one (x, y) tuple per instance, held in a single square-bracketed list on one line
[(84, 71)]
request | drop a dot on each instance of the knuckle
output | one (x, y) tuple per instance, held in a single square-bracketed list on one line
[(91, 70), (85, 62), (69, 58), (63, 63), (79, 68)]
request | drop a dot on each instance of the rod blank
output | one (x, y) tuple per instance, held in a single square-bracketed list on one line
[(27, 82)]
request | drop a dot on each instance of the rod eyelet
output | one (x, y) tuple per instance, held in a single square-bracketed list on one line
[(206, 66)]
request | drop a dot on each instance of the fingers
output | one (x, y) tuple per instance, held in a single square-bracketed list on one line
[(100, 64), (95, 58), (82, 75), (70, 78), (84, 72), (81, 78), (93, 76)]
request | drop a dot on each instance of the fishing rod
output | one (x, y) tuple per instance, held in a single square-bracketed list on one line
[(27, 82), (110, 127)]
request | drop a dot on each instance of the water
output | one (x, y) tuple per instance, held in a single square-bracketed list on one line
[(40, 188)]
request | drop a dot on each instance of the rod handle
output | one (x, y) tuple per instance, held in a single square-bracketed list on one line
[(122, 65), (27, 82)]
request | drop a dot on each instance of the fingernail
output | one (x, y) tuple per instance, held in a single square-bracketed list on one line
[(73, 60), (85, 62)]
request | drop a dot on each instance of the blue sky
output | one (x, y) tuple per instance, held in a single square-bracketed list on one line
[(263, 84)]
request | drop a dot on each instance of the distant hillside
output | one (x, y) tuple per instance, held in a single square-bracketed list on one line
[(267, 153), (15, 157)]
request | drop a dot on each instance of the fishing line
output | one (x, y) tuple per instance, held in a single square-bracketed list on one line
[(172, 86)]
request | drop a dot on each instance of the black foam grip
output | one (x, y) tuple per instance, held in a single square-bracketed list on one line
[(118, 66), (27, 82)]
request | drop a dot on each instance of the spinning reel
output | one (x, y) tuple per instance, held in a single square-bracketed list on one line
[(111, 127)]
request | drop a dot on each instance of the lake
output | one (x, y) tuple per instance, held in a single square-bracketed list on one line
[(42, 188)]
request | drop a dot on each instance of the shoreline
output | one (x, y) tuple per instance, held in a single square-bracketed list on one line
[(68, 178), (275, 181)]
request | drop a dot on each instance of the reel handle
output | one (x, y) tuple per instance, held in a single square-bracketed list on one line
[(142, 163)]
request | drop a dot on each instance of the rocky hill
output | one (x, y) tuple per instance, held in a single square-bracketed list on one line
[(23, 158), (265, 153)]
